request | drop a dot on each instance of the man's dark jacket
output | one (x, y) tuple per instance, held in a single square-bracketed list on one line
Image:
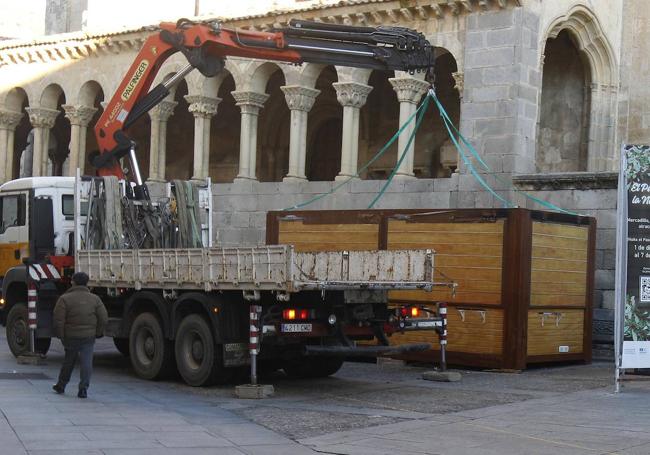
[(79, 314)]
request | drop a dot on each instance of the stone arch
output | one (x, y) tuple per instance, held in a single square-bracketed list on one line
[(274, 125), (88, 93), (258, 78), (601, 82), (224, 132), (378, 123), (13, 104), (435, 155), (324, 129)]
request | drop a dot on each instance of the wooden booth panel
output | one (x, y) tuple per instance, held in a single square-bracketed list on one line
[(328, 237), (470, 253), (559, 265), (469, 330), (552, 329)]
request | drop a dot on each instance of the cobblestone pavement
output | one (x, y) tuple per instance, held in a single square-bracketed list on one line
[(363, 409)]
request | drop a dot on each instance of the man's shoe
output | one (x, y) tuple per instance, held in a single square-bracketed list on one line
[(59, 389), (82, 393)]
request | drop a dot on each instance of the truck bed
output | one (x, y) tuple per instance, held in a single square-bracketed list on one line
[(272, 268)]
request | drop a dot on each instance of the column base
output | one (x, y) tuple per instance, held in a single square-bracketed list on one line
[(293, 179), (342, 177), (241, 179), (399, 176), (156, 180)]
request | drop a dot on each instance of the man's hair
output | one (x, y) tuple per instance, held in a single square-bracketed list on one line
[(80, 278)]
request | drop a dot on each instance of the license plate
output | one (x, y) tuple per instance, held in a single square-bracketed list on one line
[(427, 324), (296, 328)]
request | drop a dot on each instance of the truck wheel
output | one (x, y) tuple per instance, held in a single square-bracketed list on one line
[(198, 359), (313, 367), (152, 356), (17, 331), (122, 345)]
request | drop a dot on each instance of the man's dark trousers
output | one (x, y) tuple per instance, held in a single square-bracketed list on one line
[(82, 348)]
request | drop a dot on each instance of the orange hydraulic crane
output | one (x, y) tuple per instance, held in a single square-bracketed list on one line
[(206, 45)]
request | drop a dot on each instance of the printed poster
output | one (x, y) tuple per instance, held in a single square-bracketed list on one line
[(636, 270)]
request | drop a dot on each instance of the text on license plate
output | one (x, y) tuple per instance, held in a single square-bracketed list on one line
[(296, 328)]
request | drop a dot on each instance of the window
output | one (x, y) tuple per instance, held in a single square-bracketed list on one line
[(67, 206), (12, 209)]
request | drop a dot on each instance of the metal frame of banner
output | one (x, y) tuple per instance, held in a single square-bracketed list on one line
[(621, 270)]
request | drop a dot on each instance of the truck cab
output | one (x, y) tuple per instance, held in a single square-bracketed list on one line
[(36, 221)]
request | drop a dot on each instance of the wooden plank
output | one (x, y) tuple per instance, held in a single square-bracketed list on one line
[(564, 276), (427, 227), (548, 330), (541, 240), (563, 230), (328, 237), (474, 334), (559, 253), (539, 300), (570, 265), (434, 238)]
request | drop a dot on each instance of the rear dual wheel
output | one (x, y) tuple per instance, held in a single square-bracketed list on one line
[(152, 356), (198, 359)]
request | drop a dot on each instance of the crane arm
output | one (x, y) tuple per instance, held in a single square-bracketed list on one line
[(206, 45)]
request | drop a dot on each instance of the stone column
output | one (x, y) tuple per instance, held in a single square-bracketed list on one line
[(158, 148), (80, 117), (42, 120), (300, 101), (8, 122), (250, 104), (352, 96), (202, 108), (409, 92)]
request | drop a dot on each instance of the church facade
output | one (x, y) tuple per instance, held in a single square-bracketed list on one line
[(545, 91)]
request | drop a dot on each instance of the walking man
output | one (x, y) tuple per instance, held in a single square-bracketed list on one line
[(79, 317)]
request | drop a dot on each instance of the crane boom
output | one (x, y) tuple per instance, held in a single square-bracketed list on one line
[(206, 45)]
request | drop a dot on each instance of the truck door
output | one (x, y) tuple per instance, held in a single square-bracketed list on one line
[(14, 232)]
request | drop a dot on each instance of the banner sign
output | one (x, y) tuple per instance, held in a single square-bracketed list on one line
[(634, 262)]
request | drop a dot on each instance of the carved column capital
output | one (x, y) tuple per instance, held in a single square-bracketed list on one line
[(459, 79), (9, 120), (300, 98), (408, 89), (250, 102), (202, 106), (79, 115), (352, 94), (162, 111), (42, 117)]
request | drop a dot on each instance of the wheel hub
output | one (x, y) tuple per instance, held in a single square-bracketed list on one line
[(20, 333), (149, 347), (197, 350)]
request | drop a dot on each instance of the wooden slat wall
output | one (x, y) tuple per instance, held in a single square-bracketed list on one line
[(328, 237), (547, 338), (475, 334), (467, 253), (559, 265)]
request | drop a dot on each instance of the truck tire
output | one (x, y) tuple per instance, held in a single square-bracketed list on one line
[(198, 359), (17, 332), (122, 345), (152, 356), (313, 367)]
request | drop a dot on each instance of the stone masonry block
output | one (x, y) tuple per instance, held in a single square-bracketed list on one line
[(435, 200), (468, 182), (606, 239), (241, 202), (489, 93), (501, 56), (473, 77), (229, 237), (609, 300), (502, 37), (448, 184), (466, 199), (500, 75), (475, 40), (365, 186), (494, 127), (258, 220), (495, 19), (418, 186), (268, 187), (479, 110), (531, 20), (604, 279), (240, 219)]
